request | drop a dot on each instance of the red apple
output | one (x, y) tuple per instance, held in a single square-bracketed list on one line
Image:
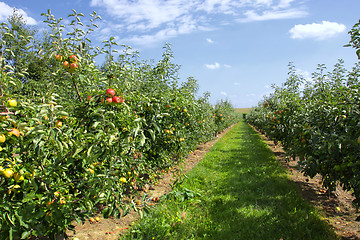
[(116, 99), (73, 58), (108, 100), (58, 57), (73, 66), (66, 64), (88, 98), (110, 92)]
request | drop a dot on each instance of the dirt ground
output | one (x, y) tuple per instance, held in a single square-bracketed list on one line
[(337, 209)]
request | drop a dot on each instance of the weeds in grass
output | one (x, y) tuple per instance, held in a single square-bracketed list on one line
[(238, 191)]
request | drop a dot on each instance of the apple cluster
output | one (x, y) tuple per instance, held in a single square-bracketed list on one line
[(111, 98), (70, 63)]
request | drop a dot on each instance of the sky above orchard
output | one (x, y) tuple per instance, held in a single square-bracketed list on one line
[(235, 49)]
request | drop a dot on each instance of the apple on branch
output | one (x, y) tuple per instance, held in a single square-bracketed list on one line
[(110, 92)]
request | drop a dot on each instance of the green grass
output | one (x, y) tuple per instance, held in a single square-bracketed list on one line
[(238, 191)]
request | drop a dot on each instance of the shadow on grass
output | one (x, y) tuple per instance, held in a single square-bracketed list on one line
[(251, 196)]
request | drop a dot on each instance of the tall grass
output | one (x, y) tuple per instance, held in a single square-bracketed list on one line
[(238, 191)]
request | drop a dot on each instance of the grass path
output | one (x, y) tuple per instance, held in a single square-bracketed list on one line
[(238, 191)]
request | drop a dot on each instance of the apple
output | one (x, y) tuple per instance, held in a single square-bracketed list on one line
[(88, 97), (2, 138), (110, 92), (73, 58), (116, 99), (15, 132), (58, 124), (108, 100), (8, 173), (58, 57), (73, 66), (12, 103), (122, 100), (66, 64)]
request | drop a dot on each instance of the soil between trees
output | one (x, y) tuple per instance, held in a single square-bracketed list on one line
[(337, 209)]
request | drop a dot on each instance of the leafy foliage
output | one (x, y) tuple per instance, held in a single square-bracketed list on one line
[(318, 120), (67, 150)]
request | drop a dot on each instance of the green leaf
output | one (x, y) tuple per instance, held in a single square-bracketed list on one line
[(63, 113), (152, 134), (126, 210), (111, 139), (25, 235), (106, 212), (10, 219), (89, 150), (77, 151), (142, 139), (60, 146)]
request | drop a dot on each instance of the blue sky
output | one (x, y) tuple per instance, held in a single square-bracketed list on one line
[(236, 49)]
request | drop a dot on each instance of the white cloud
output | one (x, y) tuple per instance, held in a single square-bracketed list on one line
[(153, 38), (283, 4), (217, 65), (209, 40), (151, 13), (213, 66), (149, 21), (6, 11), (251, 15), (223, 93), (318, 31)]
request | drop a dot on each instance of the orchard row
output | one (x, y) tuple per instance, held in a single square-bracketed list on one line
[(318, 121), (77, 138)]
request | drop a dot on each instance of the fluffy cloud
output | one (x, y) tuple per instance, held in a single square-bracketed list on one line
[(251, 15), (151, 13), (283, 4), (318, 31), (149, 21), (213, 66), (216, 65), (209, 40), (6, 11), (223, 93)]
